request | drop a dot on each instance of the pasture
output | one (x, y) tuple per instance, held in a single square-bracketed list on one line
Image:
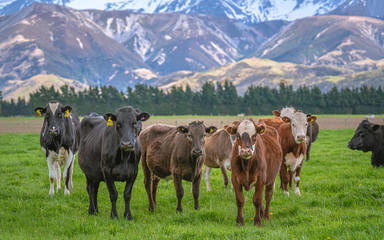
[(342, 198)]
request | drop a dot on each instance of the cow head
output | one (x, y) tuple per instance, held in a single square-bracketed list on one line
[(299, 122), (196, 132), (55, 113), (126, 122), (365, 137), (246, 132)]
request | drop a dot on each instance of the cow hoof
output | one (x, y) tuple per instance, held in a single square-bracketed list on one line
[(286, 193), (66, 192), (297, 192)]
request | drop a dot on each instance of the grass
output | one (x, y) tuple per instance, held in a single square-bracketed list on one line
[(342, 198)]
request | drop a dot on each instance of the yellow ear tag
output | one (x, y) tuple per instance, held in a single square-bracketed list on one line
[(261, 130), (109, 122), (38, 112), (211, 130), (67, 113), (312, 120)]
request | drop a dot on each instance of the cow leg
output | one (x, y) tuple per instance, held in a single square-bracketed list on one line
[(268, 196), (290, 174), (90, 190), (70, 183), (196, 190), (127, 197), (51, 162), (207, 174), (112, 193), (155, 184), (239, 201), (95, 191), (258, 202), (177, 181), (308, 149), (56, 165), (284, 178), (148, 183), (223, 170), (296, 179), (66, 173)]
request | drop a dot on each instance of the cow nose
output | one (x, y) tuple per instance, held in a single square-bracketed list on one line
[(246, 153), (53, 132), (350, 145), (197, 153), (300, 138), (126, 146)]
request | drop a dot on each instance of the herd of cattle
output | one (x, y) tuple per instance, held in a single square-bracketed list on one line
[(110, 148)]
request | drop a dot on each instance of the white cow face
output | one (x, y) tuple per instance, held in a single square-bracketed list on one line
[(299, 122)]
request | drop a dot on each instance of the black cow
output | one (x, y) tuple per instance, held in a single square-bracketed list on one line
[(369, 137), (109, 151), (57, 140), (312, 134)]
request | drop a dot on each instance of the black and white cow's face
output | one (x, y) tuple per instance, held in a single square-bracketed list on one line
[(246, 132), (127, 124), (55, 113), (196, 133), (299, 123), (365, 137)]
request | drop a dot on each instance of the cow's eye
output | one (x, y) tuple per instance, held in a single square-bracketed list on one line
[(47, 115), (362, 134), (59, 115), (293, 124), (118, 125), (189, 136)]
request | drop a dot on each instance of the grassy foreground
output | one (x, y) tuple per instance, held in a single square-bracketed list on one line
[(342, 198)]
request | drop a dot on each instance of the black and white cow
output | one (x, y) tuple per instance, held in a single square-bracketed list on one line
[(57, 140), (369, 137), (109, 151)]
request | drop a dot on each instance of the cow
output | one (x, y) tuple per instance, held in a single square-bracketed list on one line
[(177, 152), (312, 128), (369, 137), (255, 162), (109, 151), (58, 142), (292, 131), (218, 149)]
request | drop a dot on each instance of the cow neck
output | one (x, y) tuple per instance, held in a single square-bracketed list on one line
[(110, 142)]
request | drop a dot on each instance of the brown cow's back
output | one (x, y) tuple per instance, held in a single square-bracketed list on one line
[(217, 146)]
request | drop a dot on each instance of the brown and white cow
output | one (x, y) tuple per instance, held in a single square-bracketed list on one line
[(312, 128), (57, 140), (177, 152), (255, 162), (292, 131), (218, 149)]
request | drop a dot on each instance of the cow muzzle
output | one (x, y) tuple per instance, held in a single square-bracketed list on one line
[(300, 138), (197, 153), (126, 146), (246, 153), (352, 146), (54, 132)]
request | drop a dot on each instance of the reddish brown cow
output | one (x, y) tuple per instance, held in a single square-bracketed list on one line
[(255, 162), (218, 149), (292, 132)]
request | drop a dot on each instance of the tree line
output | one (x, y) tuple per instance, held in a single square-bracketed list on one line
[(212, 99)]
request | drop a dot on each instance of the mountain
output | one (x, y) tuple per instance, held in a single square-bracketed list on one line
[(246, 11), (264, 72), (171, 42), (327, 40)]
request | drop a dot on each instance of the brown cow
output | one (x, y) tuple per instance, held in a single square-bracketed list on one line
[(218, 149), (292, 132), (255, 162), (173, 151)]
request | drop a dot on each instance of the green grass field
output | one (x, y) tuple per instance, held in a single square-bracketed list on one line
[(342, 198)]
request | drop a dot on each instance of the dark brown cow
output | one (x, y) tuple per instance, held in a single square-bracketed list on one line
[(255, 162), (173, 151), (218, 149), (292, 132)]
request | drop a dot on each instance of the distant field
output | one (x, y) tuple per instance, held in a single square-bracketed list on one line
[(33, 124), (342, 198)]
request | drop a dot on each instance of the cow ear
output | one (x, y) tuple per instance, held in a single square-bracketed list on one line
[(66, 110), (211, 129), (182, 129), (311, 119), (39, 111), (231, 130), (276, 113), (110, 118), (375, 127), (286, 119), (143, 116), (260, 129)]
